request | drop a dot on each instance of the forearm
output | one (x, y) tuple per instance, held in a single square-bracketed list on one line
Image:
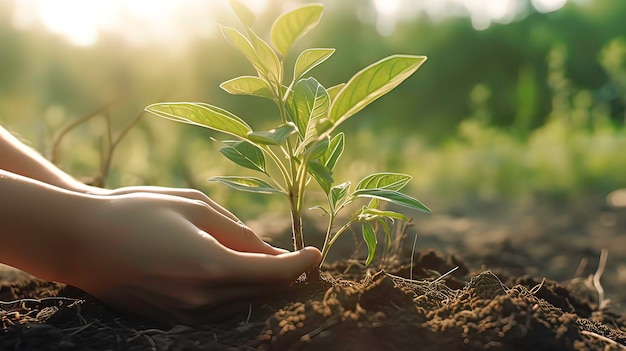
[(18, 158), (39, 224)]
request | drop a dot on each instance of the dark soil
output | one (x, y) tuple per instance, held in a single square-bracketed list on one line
[(496, 299)]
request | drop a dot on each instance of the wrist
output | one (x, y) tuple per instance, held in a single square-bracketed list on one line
[(42, 225)]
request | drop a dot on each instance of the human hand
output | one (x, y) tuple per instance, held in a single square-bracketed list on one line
[(173, 259), (252, 244)]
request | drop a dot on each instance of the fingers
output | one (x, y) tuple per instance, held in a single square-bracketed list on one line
[(193, 194), (254, 268), (200, 196), (219, 208), (209, 216), (232, 234), (214, 219), (190, 194)]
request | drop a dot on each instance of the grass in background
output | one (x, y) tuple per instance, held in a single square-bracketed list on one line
[(577, 154)]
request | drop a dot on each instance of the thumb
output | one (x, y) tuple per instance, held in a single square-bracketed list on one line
[(261, 268)]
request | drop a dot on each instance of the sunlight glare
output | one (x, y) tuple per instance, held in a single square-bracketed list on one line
[(484, 12), (387, 15), (177, 22), (77, 20), (499, 9), (138, 21), (548, 5), (256, 6), (387, 7)]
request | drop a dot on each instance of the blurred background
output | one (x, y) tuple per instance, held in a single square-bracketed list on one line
[(520, 103)]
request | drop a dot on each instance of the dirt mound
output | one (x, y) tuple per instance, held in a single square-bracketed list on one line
[(392, 313)]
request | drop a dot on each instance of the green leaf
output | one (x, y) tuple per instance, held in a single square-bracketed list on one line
[(385, 180), (338, 193), (307, 104), (368, 214), (240, 42), (273, 137), (248, 85), (323, 125), (371, 83), (203, 115), (292, 25), (321, 174), (250, 184), (309, 59), (245, 16), (334, 90), (245, 154), (393, 197), (267, 57), (317, 149), (374, 203), (369, 235), (334, 151)]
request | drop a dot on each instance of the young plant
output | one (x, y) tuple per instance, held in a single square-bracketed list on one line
[(304, 145)]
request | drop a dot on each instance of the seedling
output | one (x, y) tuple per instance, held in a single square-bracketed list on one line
[(304, 145)]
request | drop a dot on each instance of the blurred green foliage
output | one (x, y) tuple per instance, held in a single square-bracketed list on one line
[(536, 106)]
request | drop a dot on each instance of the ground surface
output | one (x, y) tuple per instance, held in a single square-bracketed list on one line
[(496, 299)]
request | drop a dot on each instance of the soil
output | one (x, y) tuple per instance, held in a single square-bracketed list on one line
[(492, 278)]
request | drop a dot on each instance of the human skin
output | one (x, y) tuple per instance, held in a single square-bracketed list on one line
[(167, 254)]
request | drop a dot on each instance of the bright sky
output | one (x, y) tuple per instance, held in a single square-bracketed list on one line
[(482, 12), (81, 21), (175, 21)]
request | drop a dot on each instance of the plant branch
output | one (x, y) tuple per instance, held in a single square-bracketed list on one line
[(54, 158), (113, 144), (325, 247), (330, 243)]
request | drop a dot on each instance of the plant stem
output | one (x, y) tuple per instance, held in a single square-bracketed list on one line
[(329, 243), (298, 177), (293, 186), (326, 247), (296, 221), (296, 195)]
